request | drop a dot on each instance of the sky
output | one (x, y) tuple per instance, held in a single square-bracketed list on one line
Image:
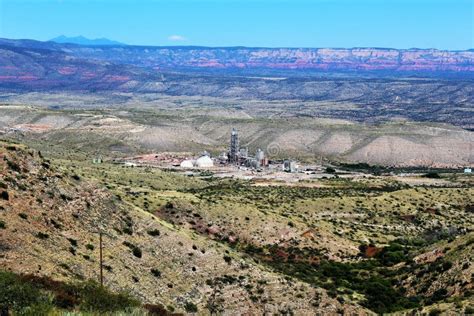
[(442, 24)]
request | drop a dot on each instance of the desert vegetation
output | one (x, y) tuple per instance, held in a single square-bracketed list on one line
[(358, 240)]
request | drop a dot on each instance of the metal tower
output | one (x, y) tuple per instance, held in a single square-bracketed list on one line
[(234, 146)]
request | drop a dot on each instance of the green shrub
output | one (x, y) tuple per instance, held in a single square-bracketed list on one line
[(227, 259), (154, 232), (190, 307), (90, 247), (156, 272), (73, 242), (158, 310), (393, 254), (34, 295), (22, 297), (23, 215), (469, 310), (368, 277), (137, 252), (5, 195), (432, 175), (99, 299), (13, 166), (2, 224), (435, 312), (446, 265), (41, 235), (128, 231), (438, 295)]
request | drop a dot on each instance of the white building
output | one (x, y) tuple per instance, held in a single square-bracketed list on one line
[(290, 166)]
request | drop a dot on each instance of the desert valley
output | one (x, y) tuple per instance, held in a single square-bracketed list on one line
[(235, 181)]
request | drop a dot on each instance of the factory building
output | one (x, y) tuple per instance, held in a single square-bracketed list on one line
[(258, 161), (260, 157), (290, 166), (240, 156)]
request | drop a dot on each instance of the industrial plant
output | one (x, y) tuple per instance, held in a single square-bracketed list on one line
[(233, 162), (240, 156)]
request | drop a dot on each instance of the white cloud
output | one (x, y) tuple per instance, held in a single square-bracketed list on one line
[(177, 38)]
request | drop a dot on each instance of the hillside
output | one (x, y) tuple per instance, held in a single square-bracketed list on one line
[(42, 67), (50, 217), (442, 270), (188, 243), (139, 127)]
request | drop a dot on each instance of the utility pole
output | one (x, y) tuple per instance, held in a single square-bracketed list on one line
[(100, 260)]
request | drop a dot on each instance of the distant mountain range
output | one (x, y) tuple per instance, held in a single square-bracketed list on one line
[(319, 59), (81, 40), (381, 81), (384, 61), (29, 64)]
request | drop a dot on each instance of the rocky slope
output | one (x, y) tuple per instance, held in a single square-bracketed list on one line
[(359, 59), (49, 221), (444, 269), (34, 68)]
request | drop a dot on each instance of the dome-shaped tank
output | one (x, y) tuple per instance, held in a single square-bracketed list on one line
[(187, 164), (204, 162)]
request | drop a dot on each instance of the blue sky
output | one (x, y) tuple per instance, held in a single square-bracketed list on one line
[(443, 24)]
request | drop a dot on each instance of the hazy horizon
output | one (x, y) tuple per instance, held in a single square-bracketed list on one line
[(231, 46)]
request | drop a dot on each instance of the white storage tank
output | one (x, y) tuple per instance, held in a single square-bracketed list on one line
[(204, 162), (187, 164)]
